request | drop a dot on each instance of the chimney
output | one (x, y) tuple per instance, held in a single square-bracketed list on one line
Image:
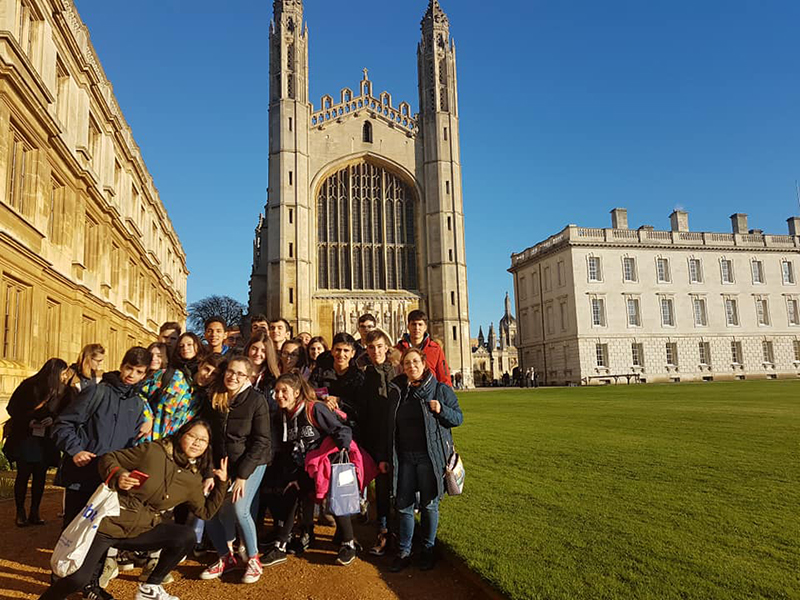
[(739, 222), (794, 225), (679, 220), (619, 218)]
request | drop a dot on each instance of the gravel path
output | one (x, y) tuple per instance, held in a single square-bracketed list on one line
[(25, 556)]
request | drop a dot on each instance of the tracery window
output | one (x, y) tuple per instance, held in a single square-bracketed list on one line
[(365, 230)]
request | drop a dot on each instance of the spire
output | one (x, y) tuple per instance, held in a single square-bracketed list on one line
[(481, 339), (492, 338), (508, 306), (435, 16), (281, 7)]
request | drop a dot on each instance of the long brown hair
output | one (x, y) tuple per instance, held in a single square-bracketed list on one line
[(298, 384), (271, 360)]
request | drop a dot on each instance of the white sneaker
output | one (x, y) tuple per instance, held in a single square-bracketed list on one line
[(148, 591)]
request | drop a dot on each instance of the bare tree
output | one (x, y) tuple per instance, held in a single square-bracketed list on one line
[(215, 306)]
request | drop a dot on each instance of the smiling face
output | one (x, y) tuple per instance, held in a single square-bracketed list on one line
[(237, 373), (195, 441), (278, 332), (342, 353), (186, 348), (257, 353), (290, 356), (414, 366), (286, 396), (315, 349), (215, 335)]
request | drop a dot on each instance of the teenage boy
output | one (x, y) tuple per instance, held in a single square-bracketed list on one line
[(366, 323), (417, 337), (102, 419), (279, 331), (258, 322), (168, 334), (215, 332)]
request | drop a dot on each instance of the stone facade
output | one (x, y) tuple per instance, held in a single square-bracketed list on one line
[(87, 251), (618, 304), (364, 209)]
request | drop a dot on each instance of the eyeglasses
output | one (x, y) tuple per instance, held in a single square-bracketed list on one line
[(193, 438), (236, 374), (412, 362), (290, 354)]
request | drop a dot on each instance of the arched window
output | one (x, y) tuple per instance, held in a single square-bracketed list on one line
[(355, 249), (366, 134)]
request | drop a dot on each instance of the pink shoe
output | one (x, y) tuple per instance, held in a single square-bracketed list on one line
[(223, 565), (253, 572)]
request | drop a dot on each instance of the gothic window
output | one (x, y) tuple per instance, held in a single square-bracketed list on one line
[(366, 135), (355, 250)]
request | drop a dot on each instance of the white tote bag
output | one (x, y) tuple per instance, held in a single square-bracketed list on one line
[(77, 538)]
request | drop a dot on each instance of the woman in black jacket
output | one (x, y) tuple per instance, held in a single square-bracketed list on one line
[(421, 413), (33, 406), (239, 416)]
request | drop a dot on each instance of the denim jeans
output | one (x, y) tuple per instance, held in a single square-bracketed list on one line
[(222, 528), (383, 493), (415, 474)]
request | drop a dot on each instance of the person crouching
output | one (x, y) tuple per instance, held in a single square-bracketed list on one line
[(172, 470)]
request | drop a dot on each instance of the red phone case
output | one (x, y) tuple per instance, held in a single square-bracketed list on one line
[(139, 476)]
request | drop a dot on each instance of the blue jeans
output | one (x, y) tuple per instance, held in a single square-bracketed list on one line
[(415, 474), (222, 528)]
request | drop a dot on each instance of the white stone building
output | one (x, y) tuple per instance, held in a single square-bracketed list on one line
[(619, 304), (494, 359), (364, 210)]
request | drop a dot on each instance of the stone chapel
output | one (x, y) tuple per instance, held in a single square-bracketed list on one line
[(364, 210)]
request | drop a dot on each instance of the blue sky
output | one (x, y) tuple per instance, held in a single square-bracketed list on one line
[(568, 108)]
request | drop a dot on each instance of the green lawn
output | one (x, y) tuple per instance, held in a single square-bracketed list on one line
[(653, 491)]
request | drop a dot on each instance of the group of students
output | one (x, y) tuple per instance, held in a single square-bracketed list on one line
[(202, 439)]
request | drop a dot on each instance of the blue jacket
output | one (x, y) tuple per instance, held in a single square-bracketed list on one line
[(102, 419), (437, 426)]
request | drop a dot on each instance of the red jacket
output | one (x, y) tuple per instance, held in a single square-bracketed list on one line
[(434, 356)]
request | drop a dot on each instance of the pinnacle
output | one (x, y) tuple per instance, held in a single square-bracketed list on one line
[(435, 13)]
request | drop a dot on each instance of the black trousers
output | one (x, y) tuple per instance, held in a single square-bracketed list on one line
[(303, 500), (174, 541), (25, 471)]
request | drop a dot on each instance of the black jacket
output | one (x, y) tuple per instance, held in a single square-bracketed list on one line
[(346, 387), (22, 444), (437, 426), (374, 410), (102, 419), (242, 434)]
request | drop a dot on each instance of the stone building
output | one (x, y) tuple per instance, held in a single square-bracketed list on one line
[(364, 209), (492, 359), (619, 304), (87, 251)]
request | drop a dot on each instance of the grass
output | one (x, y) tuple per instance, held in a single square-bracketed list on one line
[(687, 491)]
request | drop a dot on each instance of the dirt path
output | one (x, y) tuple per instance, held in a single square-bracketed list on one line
[(25, 556)]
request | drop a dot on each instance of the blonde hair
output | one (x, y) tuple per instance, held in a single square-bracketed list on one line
[(84, 365), (220, 399)]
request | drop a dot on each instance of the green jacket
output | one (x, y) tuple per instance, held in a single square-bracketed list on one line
[(167, 486)]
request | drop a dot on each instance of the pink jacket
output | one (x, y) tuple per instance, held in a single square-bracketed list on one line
[(318, 467)]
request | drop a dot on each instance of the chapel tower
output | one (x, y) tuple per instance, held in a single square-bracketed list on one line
[(364, 210)]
